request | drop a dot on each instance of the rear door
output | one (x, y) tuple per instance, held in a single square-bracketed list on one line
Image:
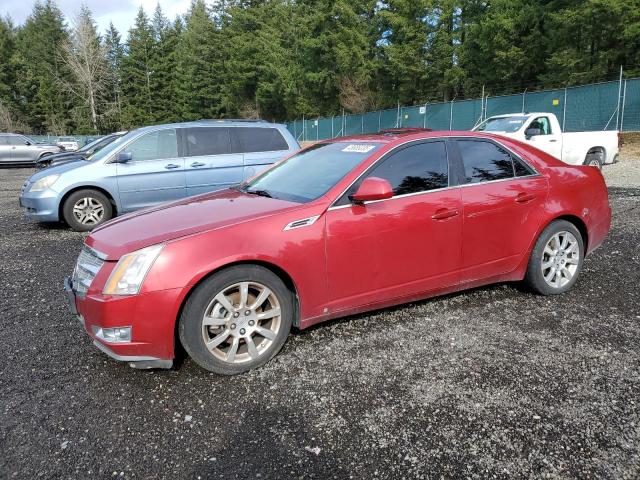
[(155, 173), (261, 146), (20, 151), (209, 163), (502, 198), (5, 148)]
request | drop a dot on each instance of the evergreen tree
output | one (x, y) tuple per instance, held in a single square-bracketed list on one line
[(43, 100), (115, 55), (162, 64), (199, 66), (138, 98)]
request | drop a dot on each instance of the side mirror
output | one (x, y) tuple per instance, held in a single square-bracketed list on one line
[(532, 132), (27, 143), (372, 188), (124, 157)]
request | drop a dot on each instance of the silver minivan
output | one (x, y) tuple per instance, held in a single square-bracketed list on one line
[(152, 165)]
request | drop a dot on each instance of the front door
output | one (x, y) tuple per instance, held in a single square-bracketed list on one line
[(402, 246), (155, 174), (548, 141), (503, 199)]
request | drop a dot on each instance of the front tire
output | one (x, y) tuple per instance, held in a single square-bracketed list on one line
[(236, 320), (556, 259), (594, 159), (85, 209)]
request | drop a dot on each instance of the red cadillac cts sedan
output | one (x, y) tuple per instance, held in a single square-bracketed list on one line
[(343, 226)]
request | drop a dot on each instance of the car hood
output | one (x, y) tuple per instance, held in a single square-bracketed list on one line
[(166, 222), (57, 169)]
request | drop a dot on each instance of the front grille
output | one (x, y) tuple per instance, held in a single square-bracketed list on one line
[(87, 267)]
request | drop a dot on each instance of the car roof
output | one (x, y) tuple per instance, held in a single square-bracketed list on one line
[(519, 114), (213, 122), (407, 137)]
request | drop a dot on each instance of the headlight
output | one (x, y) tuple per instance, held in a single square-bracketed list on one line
[(127, 277), (44, 183)]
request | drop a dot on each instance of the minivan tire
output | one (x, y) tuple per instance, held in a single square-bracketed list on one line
[(95, 205), (202, 305)]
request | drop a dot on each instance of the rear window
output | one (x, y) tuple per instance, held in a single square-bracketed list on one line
[(206, 141), (252, 139)]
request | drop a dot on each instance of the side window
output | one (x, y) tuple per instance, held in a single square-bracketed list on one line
[(4, 140), (257, 139), (484, 161), (521, 168), (155, 145), (206, 141), (16, 140), (542, 124)]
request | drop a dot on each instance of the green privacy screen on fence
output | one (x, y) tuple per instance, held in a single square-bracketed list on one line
[(601, 106)]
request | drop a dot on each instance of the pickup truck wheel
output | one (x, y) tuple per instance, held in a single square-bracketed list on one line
[(236, 320), (86, 209), (594, 159), (556, 259)]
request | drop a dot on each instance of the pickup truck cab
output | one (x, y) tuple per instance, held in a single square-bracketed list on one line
[(154, 165), (542, 130)]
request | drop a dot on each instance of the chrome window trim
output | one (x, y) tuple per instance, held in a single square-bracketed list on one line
[(333, 206)]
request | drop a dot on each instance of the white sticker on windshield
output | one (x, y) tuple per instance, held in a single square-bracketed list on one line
[(355, 148), (515, 121)]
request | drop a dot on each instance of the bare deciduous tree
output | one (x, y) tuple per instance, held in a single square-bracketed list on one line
[(8, 122), (85, 57)]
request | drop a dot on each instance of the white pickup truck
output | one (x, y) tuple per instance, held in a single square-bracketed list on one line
[(542, 130)]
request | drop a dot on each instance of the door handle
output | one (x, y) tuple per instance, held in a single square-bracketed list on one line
[(197, 164), (444, 213), (553, 140), (525, 197), (171, 166)]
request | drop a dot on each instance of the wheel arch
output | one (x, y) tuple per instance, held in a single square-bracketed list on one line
[(597, 149), (277, 270), (577, 222), (102, 190)]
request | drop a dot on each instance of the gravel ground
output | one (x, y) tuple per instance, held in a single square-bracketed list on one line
[(494, 382)]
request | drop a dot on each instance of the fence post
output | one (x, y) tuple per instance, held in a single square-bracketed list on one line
[(361, 123), (451, 115), (318, 129), (564, 108), (379, 119), (524, 95), (624, 100), (618, 107), (424, 120)]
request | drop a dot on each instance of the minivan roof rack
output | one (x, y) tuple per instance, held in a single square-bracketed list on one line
[(232, 120)]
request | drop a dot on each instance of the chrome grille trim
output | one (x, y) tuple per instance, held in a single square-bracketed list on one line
[(88, 265)]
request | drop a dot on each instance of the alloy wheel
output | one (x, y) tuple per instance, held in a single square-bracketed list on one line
[(241, 322), (560, 259)]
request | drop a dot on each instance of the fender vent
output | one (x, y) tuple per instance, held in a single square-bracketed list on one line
[(304, 222)]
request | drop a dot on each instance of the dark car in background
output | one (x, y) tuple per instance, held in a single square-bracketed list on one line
[(83, 153), (19, 150)]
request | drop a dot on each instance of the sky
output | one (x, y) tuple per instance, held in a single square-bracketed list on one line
[(121, 12)]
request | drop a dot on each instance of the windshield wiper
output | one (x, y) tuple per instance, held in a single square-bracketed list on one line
[(260, 193)]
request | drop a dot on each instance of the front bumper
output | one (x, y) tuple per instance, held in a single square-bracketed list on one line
[(152, 345), (41, 206)]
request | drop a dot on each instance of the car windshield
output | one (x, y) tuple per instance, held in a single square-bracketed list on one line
[(502, 124), (91, 144), (311, 173), (104, 152)]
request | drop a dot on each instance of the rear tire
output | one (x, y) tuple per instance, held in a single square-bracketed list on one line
[(229, 332), (85, 209), (556, 259), (594, 159)]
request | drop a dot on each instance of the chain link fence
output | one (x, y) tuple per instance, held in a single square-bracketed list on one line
[(602, 106)]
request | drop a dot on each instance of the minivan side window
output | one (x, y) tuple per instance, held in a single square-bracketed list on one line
[(154, 145), (484, 161), (206, 141), (256, 139)]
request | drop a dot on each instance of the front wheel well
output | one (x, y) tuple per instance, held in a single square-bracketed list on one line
[(86, 187), (281, 273)]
